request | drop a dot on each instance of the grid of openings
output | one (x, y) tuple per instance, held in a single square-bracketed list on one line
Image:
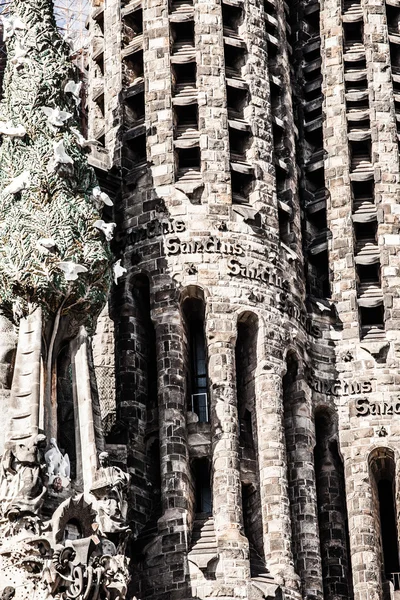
[(393, 23), (281, 141), (98, 116), (311, 153), (369, 291), (134, 136), (184, 90), (238, 97)]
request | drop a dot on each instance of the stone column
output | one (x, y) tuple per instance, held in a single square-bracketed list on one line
[(226, 486), (364, 546), (83, 409), (176, 489), (300, 441), (273, 474)]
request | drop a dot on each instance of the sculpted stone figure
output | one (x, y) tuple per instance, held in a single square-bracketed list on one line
[(109, 489), (23, 470)]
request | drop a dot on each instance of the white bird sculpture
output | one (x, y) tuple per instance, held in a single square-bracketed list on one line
[(57, 463), (19, 183), (74, 89), (84, 143), (71, 270), (118, 271), (45, 245), (101, 197), (106, 228), (14, 131), (55, 116), (60, 155), (11, 24)]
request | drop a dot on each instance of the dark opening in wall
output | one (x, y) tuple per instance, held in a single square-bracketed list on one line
[(284, 218), (99, 60), (242, 185), (183, 76), (132, 26), (371, 317), (188, 159), (99, 20), (193, 311), (332, 510), (132, 68), (369, 273), (232, 17), (356, 66), (100, 104), (318, 274), (383, 475), (237, 100), (239, 143), (186, 118), (235, 59), (134, 110), (246, 365), (202, 484), (311, 25), (136, 150), (182, 35), (252, 524), (363, 189), (65, 408), (366, 233), (388, 527), (353, 32)]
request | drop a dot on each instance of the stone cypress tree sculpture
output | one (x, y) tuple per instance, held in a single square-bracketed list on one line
[(54, 254), (54, 279)]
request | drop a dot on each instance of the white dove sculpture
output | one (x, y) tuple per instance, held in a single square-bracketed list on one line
[(71, 270), (118, 271), (19, 183), (60, 155), (75, 89), (11, 24), (55, 116), (46, 245), (57, 463), (106, 228), (101, 197), (84, 143), (14, 131)]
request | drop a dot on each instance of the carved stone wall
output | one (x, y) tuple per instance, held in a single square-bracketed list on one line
[(258, 155)]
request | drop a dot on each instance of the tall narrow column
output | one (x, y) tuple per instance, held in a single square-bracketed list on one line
[(83, 409), (300, 441), (175, 481), (273, 474), (227, 498), (364, 546)]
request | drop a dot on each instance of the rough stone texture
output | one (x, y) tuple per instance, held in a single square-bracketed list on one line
[(267, 194)]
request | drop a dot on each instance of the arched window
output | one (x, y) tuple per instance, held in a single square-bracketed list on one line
[(65, 408), (382, 467), (193, 311)]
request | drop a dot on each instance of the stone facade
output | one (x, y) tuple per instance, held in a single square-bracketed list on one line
[(252, 152)]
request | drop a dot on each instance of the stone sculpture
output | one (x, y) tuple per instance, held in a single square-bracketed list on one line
[(55, 273), (110, 489)]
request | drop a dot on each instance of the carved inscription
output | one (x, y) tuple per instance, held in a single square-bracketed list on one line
[(212, 245), (258, 272), (365, 407), (339, 388), (155, 228)]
